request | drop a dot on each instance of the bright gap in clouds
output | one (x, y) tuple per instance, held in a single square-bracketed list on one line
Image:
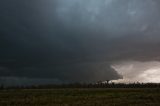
[(134, 71)]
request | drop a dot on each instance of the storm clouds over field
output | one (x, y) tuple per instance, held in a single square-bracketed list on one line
[(78, 40)]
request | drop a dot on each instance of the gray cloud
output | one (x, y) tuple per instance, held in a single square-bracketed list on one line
[(76, 40)]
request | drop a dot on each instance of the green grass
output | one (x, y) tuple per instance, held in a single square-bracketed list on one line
[(80, 97)]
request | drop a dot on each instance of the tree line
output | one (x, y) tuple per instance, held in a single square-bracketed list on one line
[(84, 85)]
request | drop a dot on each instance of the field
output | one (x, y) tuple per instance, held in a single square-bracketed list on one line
[(80, 97)]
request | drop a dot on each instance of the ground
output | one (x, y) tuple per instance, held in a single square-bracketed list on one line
[(80, 97)]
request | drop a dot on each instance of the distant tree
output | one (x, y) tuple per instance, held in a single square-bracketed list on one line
[(107, 81), (1, 86)]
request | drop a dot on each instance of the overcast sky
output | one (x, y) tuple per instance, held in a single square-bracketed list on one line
[(76, 40)]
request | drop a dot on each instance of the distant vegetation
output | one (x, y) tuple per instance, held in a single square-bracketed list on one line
[(80, 85)]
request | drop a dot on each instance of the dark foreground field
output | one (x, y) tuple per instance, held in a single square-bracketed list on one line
[(80, 97)]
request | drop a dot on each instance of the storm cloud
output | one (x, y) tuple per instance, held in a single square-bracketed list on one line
[(76, 40)]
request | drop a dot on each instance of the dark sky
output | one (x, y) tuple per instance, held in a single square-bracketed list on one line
[(76, 40)]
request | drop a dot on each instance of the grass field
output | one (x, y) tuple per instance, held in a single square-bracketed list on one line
[(80, 97)]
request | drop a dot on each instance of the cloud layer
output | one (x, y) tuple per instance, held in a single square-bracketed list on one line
[(76, 40)]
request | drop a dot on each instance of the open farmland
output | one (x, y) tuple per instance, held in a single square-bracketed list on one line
[(80, 97)]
